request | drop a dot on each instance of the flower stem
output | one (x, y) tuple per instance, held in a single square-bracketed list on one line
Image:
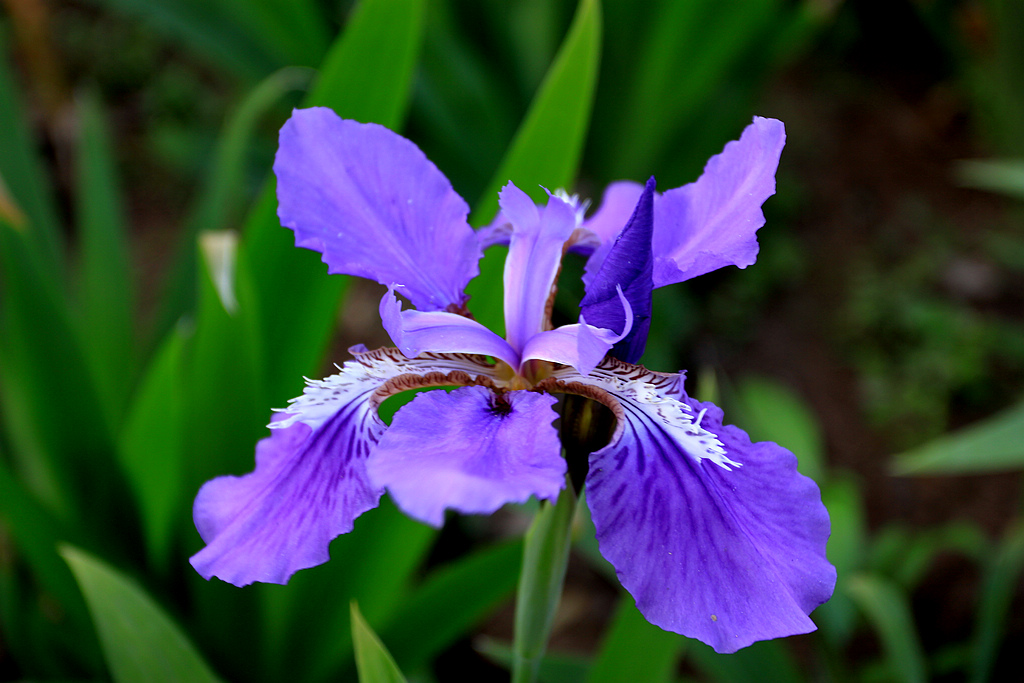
[(545, 556)]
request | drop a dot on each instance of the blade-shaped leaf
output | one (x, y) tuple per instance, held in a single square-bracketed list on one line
[(450, 601), (888, 609), (23, 178), (634, 649), (141, 643), (106, 304), (150, 448), (221, 199), (995, 444), (999, 585), (373, 660), (547, 147), (366, 76)]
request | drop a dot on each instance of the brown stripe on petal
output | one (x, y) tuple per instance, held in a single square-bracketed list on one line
[(412, 381), (557, 386)]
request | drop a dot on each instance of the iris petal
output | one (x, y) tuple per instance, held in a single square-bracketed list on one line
[(307, 489), (374, 206), (624, 264), (310, 481), (440, 332), (470, 450), (716, 538), (534, 257), (712, 222)]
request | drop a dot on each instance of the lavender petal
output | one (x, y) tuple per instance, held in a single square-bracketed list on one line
[(470, 450), (374, 206), (716, 538), (712, 222)]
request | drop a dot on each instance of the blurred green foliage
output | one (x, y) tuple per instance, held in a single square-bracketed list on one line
[(125, 383)]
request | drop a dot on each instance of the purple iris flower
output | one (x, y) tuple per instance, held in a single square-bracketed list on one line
[(715, 537)]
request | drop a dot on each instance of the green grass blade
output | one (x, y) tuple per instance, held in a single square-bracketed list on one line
[(999, 584), (106, 287), (367, 75), (36, 532), (887, 608), (51, 419), (140, 642), (23, 179), (771, 412), (150, 449), (205, 28), (995, 444), (220, 204), (373, 660), (635, 650), (547, 147), (450, 601), (768, 661), (226, 407)]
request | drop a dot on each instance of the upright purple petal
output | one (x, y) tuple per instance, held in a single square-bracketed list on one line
[(415, 332), (534, 257), (624, 265), (470, 450), (617, 204), (374, 206), (716, 538), (712, 222)]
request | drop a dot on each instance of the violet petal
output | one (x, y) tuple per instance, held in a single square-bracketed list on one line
[(534, 257), (415, 332), (470, 450), (627, 264), (712, 222), (307, 489), (716, 538), (374, 206)]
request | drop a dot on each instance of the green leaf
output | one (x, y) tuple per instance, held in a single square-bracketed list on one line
[(547, 147), (366, 76), (998, 587), (140, 642), (150, 448), (373, 661), (635, 650), (50, 419), (226, 407), (222, 197), (206, 28), (107, 291), (26, 196), (36, 532), (450, 601), (887, 608), (768, 661), (771, 412), (545, 557), (846, 549), (995, 444)]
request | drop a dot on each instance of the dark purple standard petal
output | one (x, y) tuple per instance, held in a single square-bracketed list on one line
[(716, 538), (617, 204), (712, 222), (307, 489), (471, 450), (627, 262), (374, 206)]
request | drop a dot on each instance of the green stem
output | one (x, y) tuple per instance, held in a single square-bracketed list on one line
[(545, 556)]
